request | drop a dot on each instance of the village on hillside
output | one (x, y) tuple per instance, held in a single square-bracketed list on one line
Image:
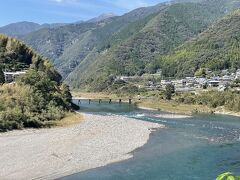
[(188, 84), (157, 81)]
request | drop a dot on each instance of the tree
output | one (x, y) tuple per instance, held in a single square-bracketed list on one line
[(170, 89), (66, 95), (38, 98), (2, 78), (201, 72), (205, 85)]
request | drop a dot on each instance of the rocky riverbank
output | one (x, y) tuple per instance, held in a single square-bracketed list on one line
[(52, 153)]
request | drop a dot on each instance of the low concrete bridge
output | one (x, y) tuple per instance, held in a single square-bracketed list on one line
[(79, 100)]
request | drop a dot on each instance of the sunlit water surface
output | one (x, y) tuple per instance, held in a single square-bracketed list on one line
[(196, 148)]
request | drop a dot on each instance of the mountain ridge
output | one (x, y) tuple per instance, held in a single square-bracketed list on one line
[(98, 33), (25, 27), (133, 57), (102, 17), (127, 44), (217, 48)]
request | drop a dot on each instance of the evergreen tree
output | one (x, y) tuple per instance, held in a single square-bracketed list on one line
[(66, 95), (170, 89)]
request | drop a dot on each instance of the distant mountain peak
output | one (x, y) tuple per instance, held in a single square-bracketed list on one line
[(25, 27), (23, 22), (19, 28), (102, 17), (107, 15)]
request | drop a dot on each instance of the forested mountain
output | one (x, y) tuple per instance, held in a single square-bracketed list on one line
[(22, 28), (53, 42), (161, 33), (217, 48), (67, 46), (38, 98), (87, 54), (19, 28)]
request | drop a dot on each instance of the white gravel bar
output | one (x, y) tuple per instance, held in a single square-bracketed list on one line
[(57, 152)]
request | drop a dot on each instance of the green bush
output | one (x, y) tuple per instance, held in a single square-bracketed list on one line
[(37, 98), (230, 100)]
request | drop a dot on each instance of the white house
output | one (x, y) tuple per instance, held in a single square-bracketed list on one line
[(237, 74), (11, 76), (213, 83)]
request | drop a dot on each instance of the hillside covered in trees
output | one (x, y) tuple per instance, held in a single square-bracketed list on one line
[(38, 98), (165, 31), (217, 48), (69, 45), (22, 28), (90, 54)]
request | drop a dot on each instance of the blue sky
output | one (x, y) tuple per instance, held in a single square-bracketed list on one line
[(50, 11)]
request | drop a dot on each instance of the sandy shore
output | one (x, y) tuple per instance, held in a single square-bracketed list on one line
[(174, 115), (167, 115), (57, 152), (227, 113)]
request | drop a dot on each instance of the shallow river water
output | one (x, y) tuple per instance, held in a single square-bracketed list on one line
[(195, 148)]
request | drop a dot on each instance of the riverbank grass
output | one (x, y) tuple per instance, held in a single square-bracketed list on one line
[(70, 119), (172, 106)]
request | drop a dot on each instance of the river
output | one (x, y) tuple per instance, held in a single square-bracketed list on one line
[(195, 148)]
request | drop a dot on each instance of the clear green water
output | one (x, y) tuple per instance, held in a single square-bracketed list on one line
[(197, 148)]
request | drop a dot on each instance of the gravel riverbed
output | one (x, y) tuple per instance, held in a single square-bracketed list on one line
[(57, 152)]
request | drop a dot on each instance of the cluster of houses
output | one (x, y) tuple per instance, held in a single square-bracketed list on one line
[(187, 84), (155, 81)]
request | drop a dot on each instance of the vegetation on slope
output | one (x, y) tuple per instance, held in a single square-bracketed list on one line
[(162, 32), (19, 28), (217, 48), (38, 98), (169, 29), (22, 28), (52, 42), (90, 54), (69, 45)]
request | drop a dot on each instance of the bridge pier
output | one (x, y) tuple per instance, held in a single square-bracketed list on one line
[(79, 101)]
